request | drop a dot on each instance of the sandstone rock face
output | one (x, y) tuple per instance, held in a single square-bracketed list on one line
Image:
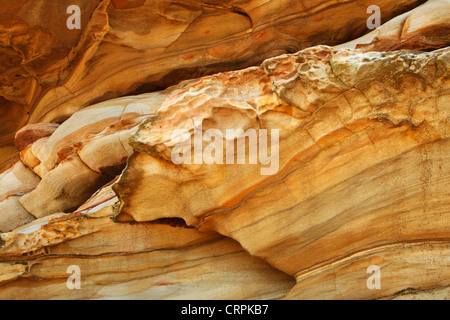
[(48, 71), (65, 164), (161, 260), (352, 126), (423, 28), (293, 178)]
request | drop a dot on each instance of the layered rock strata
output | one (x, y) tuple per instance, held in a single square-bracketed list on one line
[(363, 148), (47, 71), (363, 162), (159, 260), (289, 179)]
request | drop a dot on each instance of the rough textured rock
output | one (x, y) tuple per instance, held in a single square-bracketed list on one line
[(354, 173), (47, 71), (320, 99), (63, 189), (363, 160), (160, 260)]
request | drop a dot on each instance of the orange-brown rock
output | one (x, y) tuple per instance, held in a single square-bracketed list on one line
[(423, 28), (161, 260), (290, 179), (48, 71), (33, 132), (76, 158), (13, 117), (363, 164)]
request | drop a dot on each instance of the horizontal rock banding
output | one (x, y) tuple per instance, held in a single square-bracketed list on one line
[(140, 261)]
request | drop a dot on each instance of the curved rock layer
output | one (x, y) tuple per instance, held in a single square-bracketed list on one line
[(161, 260), (48, 71), (288, 179), (363, 163), (423, 28)]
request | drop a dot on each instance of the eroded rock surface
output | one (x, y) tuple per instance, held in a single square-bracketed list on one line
[(47, 72), (423, 28), (363, 159), (287, 179), (160, 260)]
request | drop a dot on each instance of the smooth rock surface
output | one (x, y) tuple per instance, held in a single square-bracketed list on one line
[(363, 159)]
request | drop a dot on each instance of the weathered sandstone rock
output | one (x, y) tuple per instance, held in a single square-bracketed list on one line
[(14, 183), (161, 260), (288, 179), (363, 160), (33, 132), (423, 28), (13, 118), (63, 189), (363, 165), (17, 181), (410, 270), (13, 214), (83, 153), (48, 71)]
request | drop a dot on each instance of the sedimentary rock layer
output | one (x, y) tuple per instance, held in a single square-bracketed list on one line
[(363, 160), (360, 180), (289, 179), (73, 159), (424, 28), (48, 71), (161, 260)]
